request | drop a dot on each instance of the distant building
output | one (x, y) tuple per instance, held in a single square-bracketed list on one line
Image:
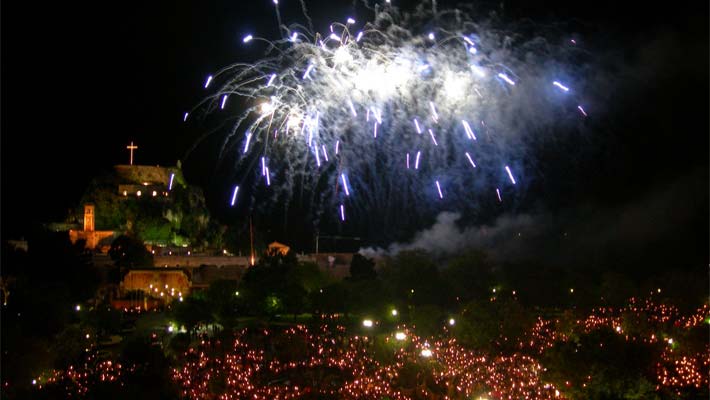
[(131, 181), (19, 245), (144, 180), (168, 284), (279, 248), (94, 239)]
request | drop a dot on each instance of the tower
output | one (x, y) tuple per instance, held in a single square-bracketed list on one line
[(89, 217)]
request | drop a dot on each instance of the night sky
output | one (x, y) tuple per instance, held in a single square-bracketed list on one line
[(80, 80)]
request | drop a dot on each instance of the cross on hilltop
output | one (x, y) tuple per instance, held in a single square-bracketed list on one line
[(131, 148)]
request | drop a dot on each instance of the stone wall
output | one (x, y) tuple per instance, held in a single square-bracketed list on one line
[(196, 261), (94, 240), (143, 173), (170, 282), (203, 276)]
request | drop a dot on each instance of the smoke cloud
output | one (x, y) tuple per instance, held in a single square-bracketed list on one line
[(661, 226)]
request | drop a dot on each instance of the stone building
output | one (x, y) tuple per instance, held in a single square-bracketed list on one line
[(168, 284), (100, 240)]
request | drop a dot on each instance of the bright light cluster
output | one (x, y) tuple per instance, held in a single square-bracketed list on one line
[(282, 363)]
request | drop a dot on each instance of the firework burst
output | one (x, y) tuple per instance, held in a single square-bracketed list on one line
[(382, 119)]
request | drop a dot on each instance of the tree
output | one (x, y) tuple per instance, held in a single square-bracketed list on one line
[(469, 276), (602, 365), (270, 278), (150, 379), (104, 319), (362, 268), (493, 325), (128, 252), (222, 299), (179, 344), (69, 346), (413, 277), (192, 311), (334, 298), (154, 230), (428, 320), (110, 209)]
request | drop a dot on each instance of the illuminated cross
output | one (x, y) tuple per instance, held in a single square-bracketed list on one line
[(131, 148)]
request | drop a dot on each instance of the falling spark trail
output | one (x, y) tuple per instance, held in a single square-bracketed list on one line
[(433, 138), (375, 130), (438, 187), (469, 132), (224, 100), (317, 156), (209, 79), (352, 108), (337, 146), (308, 71), (582, 110), (416, 124), (498, 193), (505, 78), (185, 117), (170, 186), (510, 174), (234, 195), (263, 166), (342, 212), (478, 71), (345, 184), (246, 144), (407, 160), (359, 36), (434, 114), (247, 38), (271, 80), (470, 160), (325, 153), (268, 177), (561, 86), (416, 161), (378, 115)]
